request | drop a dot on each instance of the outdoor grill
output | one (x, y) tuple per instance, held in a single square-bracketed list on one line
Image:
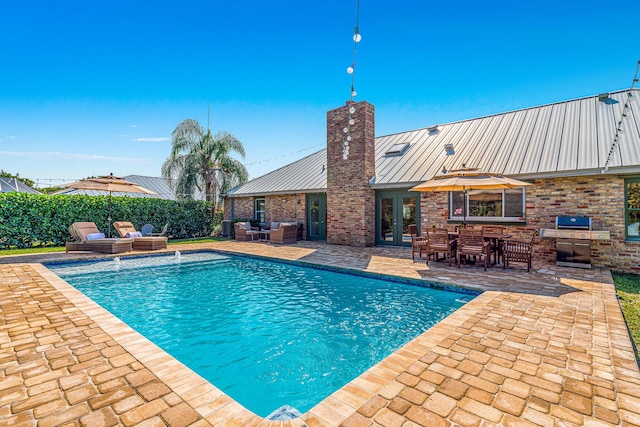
[(573, 236)]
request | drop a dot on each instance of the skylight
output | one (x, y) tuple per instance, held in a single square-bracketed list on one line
[(397, 149)]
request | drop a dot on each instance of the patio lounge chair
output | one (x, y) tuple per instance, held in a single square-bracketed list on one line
[(142, 243), (83, 233), (146, 230), (162, 233)]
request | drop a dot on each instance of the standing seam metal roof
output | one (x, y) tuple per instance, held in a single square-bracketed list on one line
[(158, 185), (566, 138), (9, 185)]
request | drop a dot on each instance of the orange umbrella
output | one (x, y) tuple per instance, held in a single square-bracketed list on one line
[(468, 179), (111, 184)]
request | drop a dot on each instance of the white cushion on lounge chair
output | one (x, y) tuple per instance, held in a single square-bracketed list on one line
[(274, 226)]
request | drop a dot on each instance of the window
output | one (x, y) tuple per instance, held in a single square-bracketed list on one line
[(488, 205), (259, 210), (632, 207)]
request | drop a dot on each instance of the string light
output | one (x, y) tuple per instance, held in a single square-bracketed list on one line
[(49, 182), (351, 70), (626, 113)]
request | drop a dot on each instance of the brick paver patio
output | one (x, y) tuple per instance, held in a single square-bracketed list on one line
[(546, 348)]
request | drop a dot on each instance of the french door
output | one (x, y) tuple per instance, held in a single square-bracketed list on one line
[(316, 217), (395, 211)]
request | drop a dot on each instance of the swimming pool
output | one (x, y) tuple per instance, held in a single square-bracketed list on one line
[(267, 334)]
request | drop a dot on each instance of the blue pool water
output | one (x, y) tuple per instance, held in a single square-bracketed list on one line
[(268, 334)]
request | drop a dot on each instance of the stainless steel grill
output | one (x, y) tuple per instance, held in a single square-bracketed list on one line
[(573, 236)]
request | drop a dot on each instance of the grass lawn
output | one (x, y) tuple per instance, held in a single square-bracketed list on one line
[(40, 250), (628, 290)]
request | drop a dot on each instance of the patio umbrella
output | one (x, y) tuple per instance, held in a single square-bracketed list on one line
[(110, 184), (468, 179)]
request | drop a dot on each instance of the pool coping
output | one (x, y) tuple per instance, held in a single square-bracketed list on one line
[(212, 403), (535, 339)]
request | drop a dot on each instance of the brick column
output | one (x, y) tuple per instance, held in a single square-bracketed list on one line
[(350, 199)]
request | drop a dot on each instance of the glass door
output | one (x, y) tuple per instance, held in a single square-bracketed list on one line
[(395, 211), (317, 217)]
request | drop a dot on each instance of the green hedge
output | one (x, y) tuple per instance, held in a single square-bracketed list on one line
[(28, 220)]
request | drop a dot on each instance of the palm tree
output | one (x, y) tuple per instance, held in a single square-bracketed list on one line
[(202, 162)]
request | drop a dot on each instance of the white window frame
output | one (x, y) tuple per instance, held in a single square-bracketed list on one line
[(256, 212), (497, 218)]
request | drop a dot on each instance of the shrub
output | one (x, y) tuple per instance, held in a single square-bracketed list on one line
[(28, 220)]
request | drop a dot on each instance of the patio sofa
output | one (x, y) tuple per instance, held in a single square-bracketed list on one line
[(83, 234)]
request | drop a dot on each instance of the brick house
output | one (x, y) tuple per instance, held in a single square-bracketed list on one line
[(582, 157)]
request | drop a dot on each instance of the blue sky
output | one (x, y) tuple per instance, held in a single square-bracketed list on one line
[(90, 88)]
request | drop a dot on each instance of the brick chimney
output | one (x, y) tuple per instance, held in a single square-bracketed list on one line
[(350, 199)]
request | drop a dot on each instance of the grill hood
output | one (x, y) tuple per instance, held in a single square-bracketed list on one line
[(573, 222)]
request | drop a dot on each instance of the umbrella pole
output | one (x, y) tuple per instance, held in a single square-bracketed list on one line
[(464, 208), (109, 217)]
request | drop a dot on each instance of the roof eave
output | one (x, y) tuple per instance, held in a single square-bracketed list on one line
[(278, 193)]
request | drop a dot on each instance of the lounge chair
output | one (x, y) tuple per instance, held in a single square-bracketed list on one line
[(162, 233), (83, 234), (146, 243), (146, 230)]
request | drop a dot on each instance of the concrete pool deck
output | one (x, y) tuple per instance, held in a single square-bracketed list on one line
[(545, 348)]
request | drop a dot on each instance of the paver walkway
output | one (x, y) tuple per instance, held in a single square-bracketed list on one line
[(546, 348)]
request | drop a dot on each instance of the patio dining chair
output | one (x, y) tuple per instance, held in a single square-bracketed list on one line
[(418, 243), (496, 245), (514, 250), (439, 242), (471, 242)]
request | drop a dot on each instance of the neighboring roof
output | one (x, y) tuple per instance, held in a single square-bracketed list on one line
[(8, 185), (307, 175), (155, 184), (568, 138)]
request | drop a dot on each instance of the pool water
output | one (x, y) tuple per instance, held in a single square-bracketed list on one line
[(266, 333)]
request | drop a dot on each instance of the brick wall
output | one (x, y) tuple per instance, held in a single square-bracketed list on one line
[(350, 200), (600, 197), (286, 208), (290, 207), (242, 207)]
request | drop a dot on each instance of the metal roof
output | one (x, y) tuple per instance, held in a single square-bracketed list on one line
[(8, 185), (566, 138), (307, 175), (158, 185)]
